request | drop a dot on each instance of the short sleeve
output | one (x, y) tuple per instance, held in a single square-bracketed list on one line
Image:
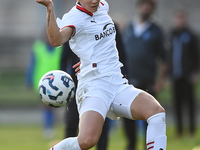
[(71, 19), (105, 5)]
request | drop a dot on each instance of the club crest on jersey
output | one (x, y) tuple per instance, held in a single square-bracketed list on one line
[(108, 29)]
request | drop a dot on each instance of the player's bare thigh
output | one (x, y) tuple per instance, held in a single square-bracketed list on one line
[(90, 128), (135, 104), (144, 106)]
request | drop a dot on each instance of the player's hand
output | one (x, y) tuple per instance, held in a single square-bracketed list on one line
[(46, 3), (77, 68)]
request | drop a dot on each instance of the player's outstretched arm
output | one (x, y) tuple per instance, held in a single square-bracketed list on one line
[(56, 37)]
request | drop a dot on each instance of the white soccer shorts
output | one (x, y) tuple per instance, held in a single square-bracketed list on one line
[(111, 99)]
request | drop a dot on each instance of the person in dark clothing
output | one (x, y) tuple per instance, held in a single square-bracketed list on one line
[(121, 50), (146, 58), (68, 58), (184, 67)]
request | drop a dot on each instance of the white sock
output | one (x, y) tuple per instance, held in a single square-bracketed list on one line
[(156, 132), (67, 144)]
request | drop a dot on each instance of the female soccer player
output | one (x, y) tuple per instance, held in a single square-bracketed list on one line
[(102, 91)]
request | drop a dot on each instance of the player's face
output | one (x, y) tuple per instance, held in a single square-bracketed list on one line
[(90, 5)]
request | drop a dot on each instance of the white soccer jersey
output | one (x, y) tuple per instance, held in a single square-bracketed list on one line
[(93, 40)]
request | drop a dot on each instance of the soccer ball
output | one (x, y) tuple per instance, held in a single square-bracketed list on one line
[(56, 88)]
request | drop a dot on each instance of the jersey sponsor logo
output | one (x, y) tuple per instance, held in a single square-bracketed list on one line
[(106, 31), (104, 28)]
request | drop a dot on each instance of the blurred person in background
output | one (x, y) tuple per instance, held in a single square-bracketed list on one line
[(184, 68), (71, 117), (44, 57), (68, 59), (146, 59)]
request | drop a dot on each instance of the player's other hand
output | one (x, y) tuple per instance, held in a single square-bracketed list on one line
[(46, 3), (77, 68)]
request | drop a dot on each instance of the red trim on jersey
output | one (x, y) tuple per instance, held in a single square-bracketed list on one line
[(70, 26), (102, 3), (84, 10)]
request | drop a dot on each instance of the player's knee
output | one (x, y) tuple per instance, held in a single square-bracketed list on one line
[(88, 142), (159, 109), (155, 109)]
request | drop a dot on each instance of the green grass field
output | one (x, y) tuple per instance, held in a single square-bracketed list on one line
[(29, 137)]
